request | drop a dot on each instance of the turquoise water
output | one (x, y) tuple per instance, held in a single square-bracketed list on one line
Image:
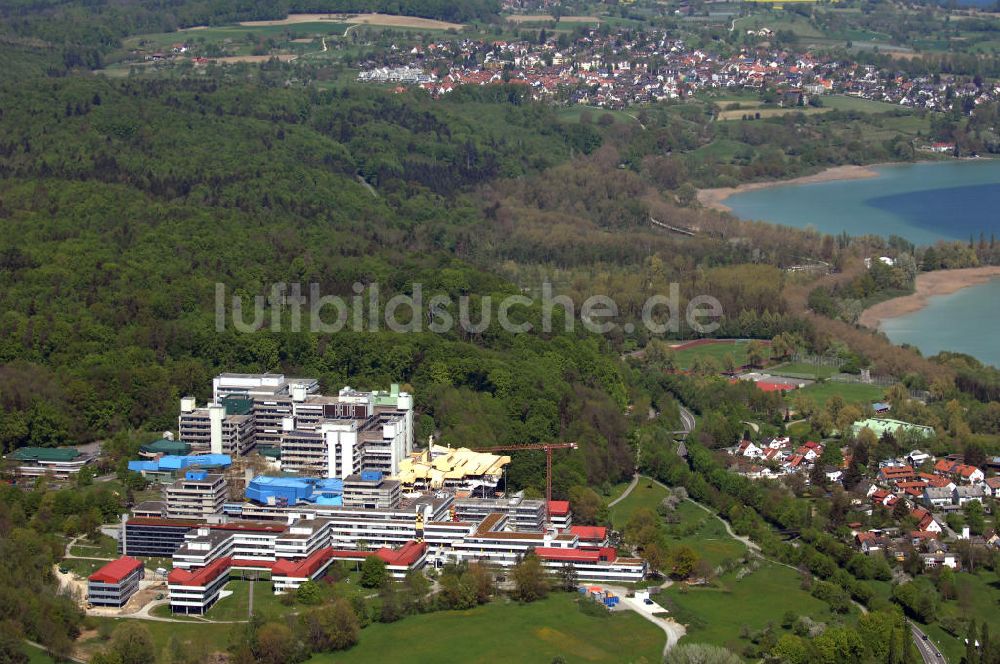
[(947, 200), (964, 321)]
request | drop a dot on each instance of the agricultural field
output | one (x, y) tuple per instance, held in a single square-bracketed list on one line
[(820, 393), (764, 113), (536, 632), (238, 39), (718, 614), (646, 495), (846, 103)]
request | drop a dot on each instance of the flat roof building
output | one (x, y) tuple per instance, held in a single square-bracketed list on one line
[(371, 490), (58, 462), (197, 496), (115, 583)]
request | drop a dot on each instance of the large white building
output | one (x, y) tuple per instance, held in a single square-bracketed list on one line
[(317, 435)]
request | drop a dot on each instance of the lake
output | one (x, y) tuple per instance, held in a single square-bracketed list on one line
[(963, 321), (947, 200), (927, 202)]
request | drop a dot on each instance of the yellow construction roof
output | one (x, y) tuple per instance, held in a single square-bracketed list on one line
[(449, 464)]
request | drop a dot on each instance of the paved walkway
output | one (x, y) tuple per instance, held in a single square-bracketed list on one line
[(626, 492), (673, 629)]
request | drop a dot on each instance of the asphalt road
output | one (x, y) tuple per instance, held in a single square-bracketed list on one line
[(687, 419), (928, 651)]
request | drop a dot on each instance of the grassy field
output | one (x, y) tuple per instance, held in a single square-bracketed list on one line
[(710, 538), (820, 393), (717, 615), (236, 606), (105, 547), (845, 103), (37, 655), (203, 638), (765, 113), (573, 113), (686, 357), (801, 370), (645, 495), (82, 566), (536, 632)]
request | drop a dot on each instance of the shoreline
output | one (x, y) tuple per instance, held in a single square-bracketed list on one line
[(714, 198), (928, 285)]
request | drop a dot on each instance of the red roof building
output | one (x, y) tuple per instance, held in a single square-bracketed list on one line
[(559, 507), (117, 570), (590, 533)]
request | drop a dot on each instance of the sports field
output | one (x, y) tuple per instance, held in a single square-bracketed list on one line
[(717, 350), (820, 393)]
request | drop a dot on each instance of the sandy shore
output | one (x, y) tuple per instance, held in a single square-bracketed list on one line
[(939, 282), (714, 198)]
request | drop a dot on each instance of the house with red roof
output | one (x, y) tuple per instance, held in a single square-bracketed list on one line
[(884, 498), (115, 583), (968, 474), (896, 473)]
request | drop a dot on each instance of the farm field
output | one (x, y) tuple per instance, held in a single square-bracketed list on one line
[(820, 393), (647, 494), (717, 615), (846, 103), (738, 114), (537, 632)]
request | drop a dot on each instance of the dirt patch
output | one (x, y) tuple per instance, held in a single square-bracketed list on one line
[(713, 198), (303, 40), (929, 284), (389, 20)]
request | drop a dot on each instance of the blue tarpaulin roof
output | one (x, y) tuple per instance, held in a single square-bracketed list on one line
[(173, 462)]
